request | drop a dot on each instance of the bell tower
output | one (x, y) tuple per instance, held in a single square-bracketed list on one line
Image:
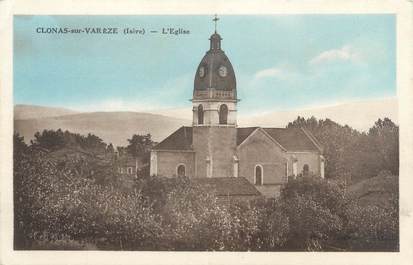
[(214, 98), (214, 107)]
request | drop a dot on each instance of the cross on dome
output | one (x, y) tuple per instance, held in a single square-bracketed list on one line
[(215, 19), (215, 77)]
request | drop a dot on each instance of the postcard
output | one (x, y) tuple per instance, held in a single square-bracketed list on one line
[(206, 134)]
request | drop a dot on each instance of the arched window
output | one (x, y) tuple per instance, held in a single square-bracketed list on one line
[(209, 167), (223, 114), (306, 170), (180, 171), (258, 175), (200, 114)]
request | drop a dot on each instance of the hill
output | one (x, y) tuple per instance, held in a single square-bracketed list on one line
[(116, 127), (24, 112), (112, 127)]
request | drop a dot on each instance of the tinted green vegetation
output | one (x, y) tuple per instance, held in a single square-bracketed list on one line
[(68, 195)]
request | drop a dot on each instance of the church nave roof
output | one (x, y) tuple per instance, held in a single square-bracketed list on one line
[(291, 139), (181, 139)]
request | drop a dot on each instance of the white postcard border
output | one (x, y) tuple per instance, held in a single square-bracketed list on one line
[(402, 9)]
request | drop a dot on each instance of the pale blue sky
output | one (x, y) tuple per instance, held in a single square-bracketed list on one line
[(281, 61)]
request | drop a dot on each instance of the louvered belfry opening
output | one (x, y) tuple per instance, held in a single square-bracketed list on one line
[(223, 114)]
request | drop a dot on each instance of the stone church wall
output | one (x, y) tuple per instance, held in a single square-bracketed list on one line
[(219, 145), (168, 162), (312, 159), (259, 149)]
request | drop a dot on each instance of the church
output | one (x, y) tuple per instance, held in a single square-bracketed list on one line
[(215, 147)]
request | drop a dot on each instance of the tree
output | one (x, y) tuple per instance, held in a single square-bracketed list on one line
[(64, 200), (121, 150), (55, 140), (352, 156), (372, 228), (314, 209), (110, 149), (53, 203), (384, 137), (94, 143), (372, 214), (139, 145), (19, 147), (49, 139)]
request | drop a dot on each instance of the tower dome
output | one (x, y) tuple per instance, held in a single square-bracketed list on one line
[(215, 77)]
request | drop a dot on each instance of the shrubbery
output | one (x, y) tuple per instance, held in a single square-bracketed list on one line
[(372, 228), (51, 204), (314, 209), (58, 208)]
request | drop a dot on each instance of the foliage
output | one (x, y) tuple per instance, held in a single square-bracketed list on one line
[(51, 202), (314, 208), (139, 145), (54, 140), (385, 142), (372, 228), (373, 214), (19, 147), (193, 218), (110, 149), (69, 198), (274, 227), (353, 156)]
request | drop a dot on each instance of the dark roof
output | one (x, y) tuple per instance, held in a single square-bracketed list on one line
[(229, 186), (181, 139), (211, 63), (291, 139), (243, 133)]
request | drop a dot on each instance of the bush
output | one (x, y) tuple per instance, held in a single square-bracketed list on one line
[(373, 214), (274, 226), (52, 202), (314, 209), (372, 228), (57, 206)]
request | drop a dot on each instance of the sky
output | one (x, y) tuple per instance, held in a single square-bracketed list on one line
[(281, 62)]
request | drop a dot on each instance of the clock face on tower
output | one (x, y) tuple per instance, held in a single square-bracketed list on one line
[(222, 71), (201, 71)]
